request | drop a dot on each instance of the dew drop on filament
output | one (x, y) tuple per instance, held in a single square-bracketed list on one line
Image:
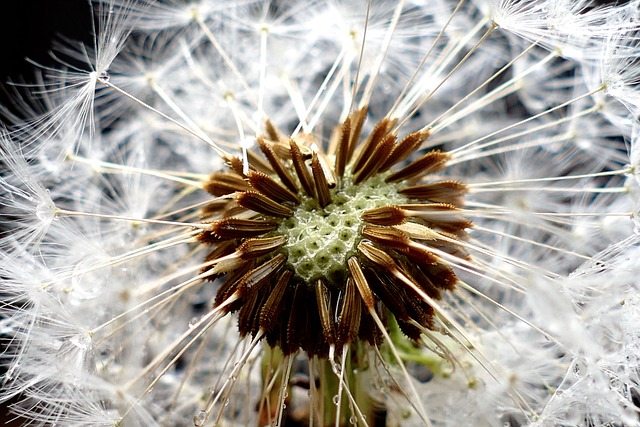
[(193, 322), (103, 76), (45, 212), (200, 418)]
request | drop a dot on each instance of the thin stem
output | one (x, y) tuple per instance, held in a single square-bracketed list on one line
[(133, 220), (198, 135), (106, 167), (225, 57), (446, 78), (424, 60), (521, 122), (354, 90)]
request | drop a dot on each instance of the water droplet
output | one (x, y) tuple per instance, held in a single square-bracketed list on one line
[(336, 400), (200, 418), (45, 211), (284, 406), (353, 420), (226, 402), (103, 76), (77, 351), (193, 322)]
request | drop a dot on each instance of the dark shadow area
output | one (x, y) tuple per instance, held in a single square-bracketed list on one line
[(28, 29)]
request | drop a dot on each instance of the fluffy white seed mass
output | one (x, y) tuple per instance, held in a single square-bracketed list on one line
[(113, 313)]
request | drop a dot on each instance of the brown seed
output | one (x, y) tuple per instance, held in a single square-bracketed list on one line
[(249, 314), (301, 169), (450, 192), (258, 277), (369, 331), (420, 311), (230, 287), (418, 308), (320, 180), (305, 141), (431, 162), (389, 293), (223, 183), (396, 239), (273, 133), (386, 215), (377, 257), (361, 282), (236, 164), (271, 188), (329, 173), (272, 309), (379, 132), (236, 228), (357, 121), (378, 156), (404, 148), (233, 210), (296, 324), (387, 236), (342, 150), (323, 300), (221, 250), (260, 203), (441, 275), (350, 312), (278, 167), (214, 208), (254, 248), (404, 303), (424, 280), (283, 149), (258, 163), (444, 216)]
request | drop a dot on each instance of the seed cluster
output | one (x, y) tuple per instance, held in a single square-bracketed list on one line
[(313, 248), (319, 241)]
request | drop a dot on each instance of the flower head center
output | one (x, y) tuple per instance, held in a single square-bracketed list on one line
[(314, 247), (320, 240)]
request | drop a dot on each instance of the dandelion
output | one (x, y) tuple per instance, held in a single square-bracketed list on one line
[(328, 213)]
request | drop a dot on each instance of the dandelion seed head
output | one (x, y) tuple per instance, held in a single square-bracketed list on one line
[(323, 213), (303, 230)]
